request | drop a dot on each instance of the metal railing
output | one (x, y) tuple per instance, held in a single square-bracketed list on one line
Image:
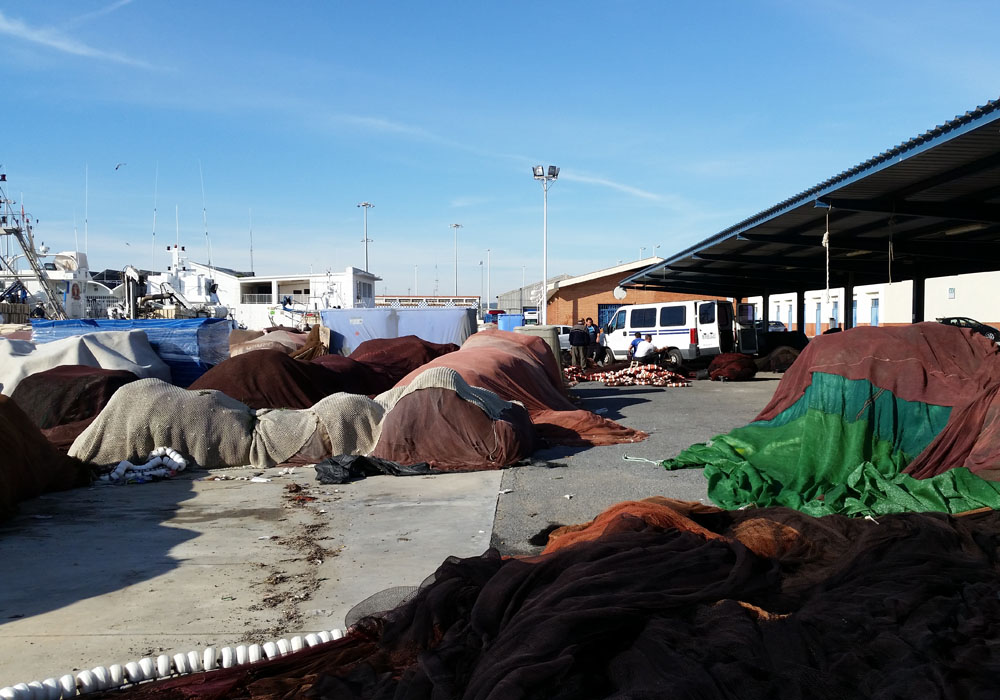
[(98, 304), (269, 299)]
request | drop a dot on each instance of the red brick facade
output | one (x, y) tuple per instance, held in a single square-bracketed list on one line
[(580, 300)]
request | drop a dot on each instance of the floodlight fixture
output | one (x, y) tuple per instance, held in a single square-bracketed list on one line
[(539, 173)]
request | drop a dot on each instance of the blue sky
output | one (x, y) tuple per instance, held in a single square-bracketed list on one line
[(670, 121)]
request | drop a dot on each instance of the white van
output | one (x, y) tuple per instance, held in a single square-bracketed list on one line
[(684, 329)]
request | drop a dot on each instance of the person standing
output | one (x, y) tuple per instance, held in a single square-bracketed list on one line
[(579, 339), (594, 332)]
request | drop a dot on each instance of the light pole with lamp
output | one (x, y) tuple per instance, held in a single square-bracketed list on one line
[(488, 296), (482, 312), (366, 240), (551, 175), (654, 249), (456, 227), (641, 249)]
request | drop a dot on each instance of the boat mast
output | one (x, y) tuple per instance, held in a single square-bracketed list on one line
[(152, 247), (19, 228)]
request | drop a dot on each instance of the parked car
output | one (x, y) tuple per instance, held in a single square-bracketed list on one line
[(973, 325), (772, 326)]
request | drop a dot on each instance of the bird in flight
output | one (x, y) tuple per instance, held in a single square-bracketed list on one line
[(120, 165)]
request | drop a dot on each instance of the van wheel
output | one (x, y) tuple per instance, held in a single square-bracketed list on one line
[(608, 358), (674, 357)]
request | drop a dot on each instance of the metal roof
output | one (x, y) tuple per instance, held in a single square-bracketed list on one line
[(934, 201)]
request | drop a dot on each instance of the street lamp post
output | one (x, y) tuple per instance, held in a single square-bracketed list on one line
[(654, 249), (545, 177), (488, 294), (366, 240), (641, 249), (456, 227), (482, 312), (521, 295)]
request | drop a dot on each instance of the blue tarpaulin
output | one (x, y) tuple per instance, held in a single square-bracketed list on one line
[(508, 322), (189, 346)]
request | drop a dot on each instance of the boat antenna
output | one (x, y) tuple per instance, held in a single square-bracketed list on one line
[(86, 208), (251, 240), (152, 247), (76, 236), (204, 215)]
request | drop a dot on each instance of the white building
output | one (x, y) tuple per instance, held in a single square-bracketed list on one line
[(257, 302), (972, 295)]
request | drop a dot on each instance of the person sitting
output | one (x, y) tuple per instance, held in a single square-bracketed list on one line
[(631, 348), (645, 351)]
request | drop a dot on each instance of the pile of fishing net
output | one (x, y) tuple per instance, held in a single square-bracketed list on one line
[(522, 368), (643, 375), (778, 360), (397, 357), (124, 350), (869, 421), (29, 465), (732, 367), (274, 378), (405, 425), (662, 598), (63, 401), (286, 340)]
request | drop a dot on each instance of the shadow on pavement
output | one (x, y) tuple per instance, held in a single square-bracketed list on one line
[(65, 547)]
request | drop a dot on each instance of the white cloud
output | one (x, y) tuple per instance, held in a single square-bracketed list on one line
[(382, 125), (604, 182), (57, 40), (98, 13)]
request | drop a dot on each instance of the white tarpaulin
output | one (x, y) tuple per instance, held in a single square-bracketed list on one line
[(351, 327), (128, 350)]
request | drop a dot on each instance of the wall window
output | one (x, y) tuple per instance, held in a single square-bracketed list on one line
[(789, 324), (836, 312), (819, 318), (854, 313), (605, 312), (874, 312)]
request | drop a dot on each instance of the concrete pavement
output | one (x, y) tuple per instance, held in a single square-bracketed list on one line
[(110, 574)]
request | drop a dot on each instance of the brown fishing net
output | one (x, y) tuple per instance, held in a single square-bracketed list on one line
[(697, 603)]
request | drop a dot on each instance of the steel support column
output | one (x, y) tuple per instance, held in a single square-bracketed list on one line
[(849, 302), (917, 303)]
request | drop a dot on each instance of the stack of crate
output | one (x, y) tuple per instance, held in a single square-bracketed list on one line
[(14, 313)]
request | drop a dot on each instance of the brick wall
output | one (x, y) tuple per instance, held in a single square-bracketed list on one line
[(581, 300)]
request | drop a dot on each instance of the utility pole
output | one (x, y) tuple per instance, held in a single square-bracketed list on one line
[(456, 227)]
